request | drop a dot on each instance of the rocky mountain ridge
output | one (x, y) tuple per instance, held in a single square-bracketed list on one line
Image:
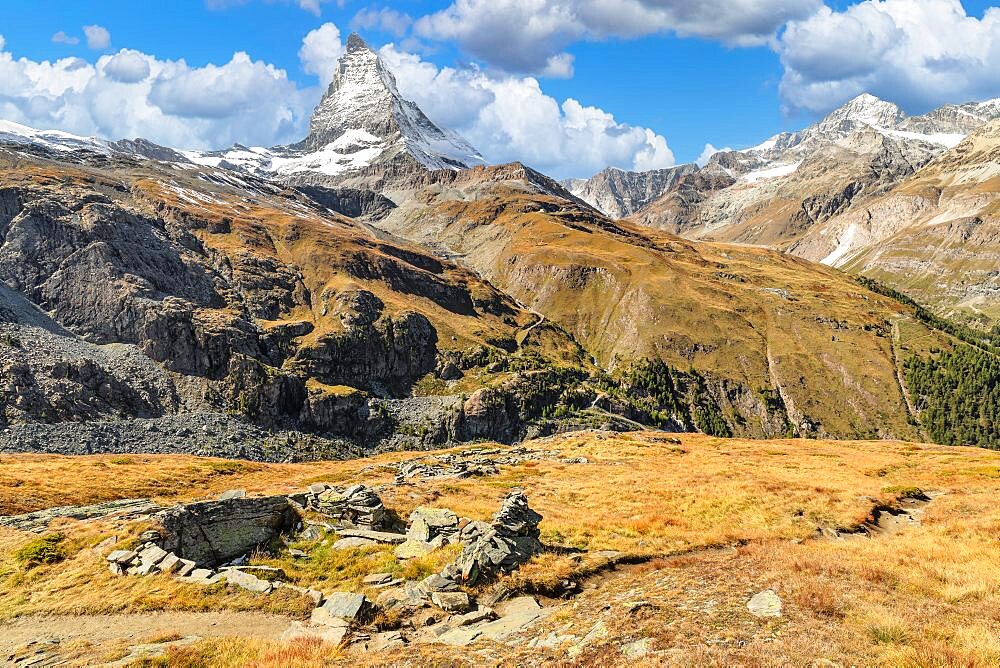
[(863, 125)]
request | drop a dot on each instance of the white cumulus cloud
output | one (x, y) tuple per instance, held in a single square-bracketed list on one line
[(385, 19), (98, 37), (321, 49), (917, 53), (127, 66), (62, 38), (509, 118), (131, 94), (532, 35)]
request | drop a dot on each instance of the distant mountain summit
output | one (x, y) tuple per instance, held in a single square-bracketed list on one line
[(863, 146), (363, 107), (363, 128)]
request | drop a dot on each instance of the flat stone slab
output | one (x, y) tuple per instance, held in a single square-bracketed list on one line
[(412, 549), (41, 518), (517, 606), (496, 630), (377, 536), (333, 635), (433, 583), (247, 581), (451, 601), (122, 556), (509, 624), (353, 543), (765, 604), (377, 578)]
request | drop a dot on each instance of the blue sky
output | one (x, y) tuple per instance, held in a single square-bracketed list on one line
[(727, 86)]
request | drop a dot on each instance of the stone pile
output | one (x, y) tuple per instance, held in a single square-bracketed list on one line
[(489, 549), (356, 506), (509, 541)]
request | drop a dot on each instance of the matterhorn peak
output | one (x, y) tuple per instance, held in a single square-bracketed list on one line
[(364, 111), (356, 43)]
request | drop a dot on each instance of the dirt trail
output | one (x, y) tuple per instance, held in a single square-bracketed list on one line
[(135, 629)]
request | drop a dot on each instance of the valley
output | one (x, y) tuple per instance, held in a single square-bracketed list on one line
[(367, 399)]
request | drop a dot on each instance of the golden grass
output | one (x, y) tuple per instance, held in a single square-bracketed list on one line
[(926, 596)]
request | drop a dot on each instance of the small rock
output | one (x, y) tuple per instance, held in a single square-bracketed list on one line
[(409, 596), (233, 494), (765, 604), (474, 617), (433, 583), (298, 554), (151, 555), (516, 606), (636, 649), (412, 549), (345, 605), (353, 543), (320, 616), (376, 536), (333, 635), (451, 601), (170, 563), (186, 567), (247, 581), (381, 642), (377, 578), (151, 536), (121, 556)]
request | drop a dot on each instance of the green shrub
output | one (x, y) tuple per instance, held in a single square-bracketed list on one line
[(48, 549)]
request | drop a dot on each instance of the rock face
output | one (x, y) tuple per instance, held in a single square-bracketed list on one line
[(618, 193), (772, 193), (935, 235), (212, 533), (123, 295), (509, 541)]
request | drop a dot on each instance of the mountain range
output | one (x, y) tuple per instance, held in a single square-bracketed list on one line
[(853, 190), (377, 285)]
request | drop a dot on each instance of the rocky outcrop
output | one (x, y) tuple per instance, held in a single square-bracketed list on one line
[(212, 533), (351, 202), (618, 193)]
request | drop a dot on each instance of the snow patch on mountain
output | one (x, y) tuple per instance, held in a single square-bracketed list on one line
[(771, 172)]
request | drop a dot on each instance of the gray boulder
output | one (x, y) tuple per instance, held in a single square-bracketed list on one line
[(212, 533)]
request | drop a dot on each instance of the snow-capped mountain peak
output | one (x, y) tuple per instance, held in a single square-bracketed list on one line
[(362, 122), (363, 105), (864, 109)]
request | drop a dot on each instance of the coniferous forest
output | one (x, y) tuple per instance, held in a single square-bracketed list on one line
[(958, 395)]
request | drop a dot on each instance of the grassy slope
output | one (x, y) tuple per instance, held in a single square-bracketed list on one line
[(244, 229), (627, 292), (927, 595)]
